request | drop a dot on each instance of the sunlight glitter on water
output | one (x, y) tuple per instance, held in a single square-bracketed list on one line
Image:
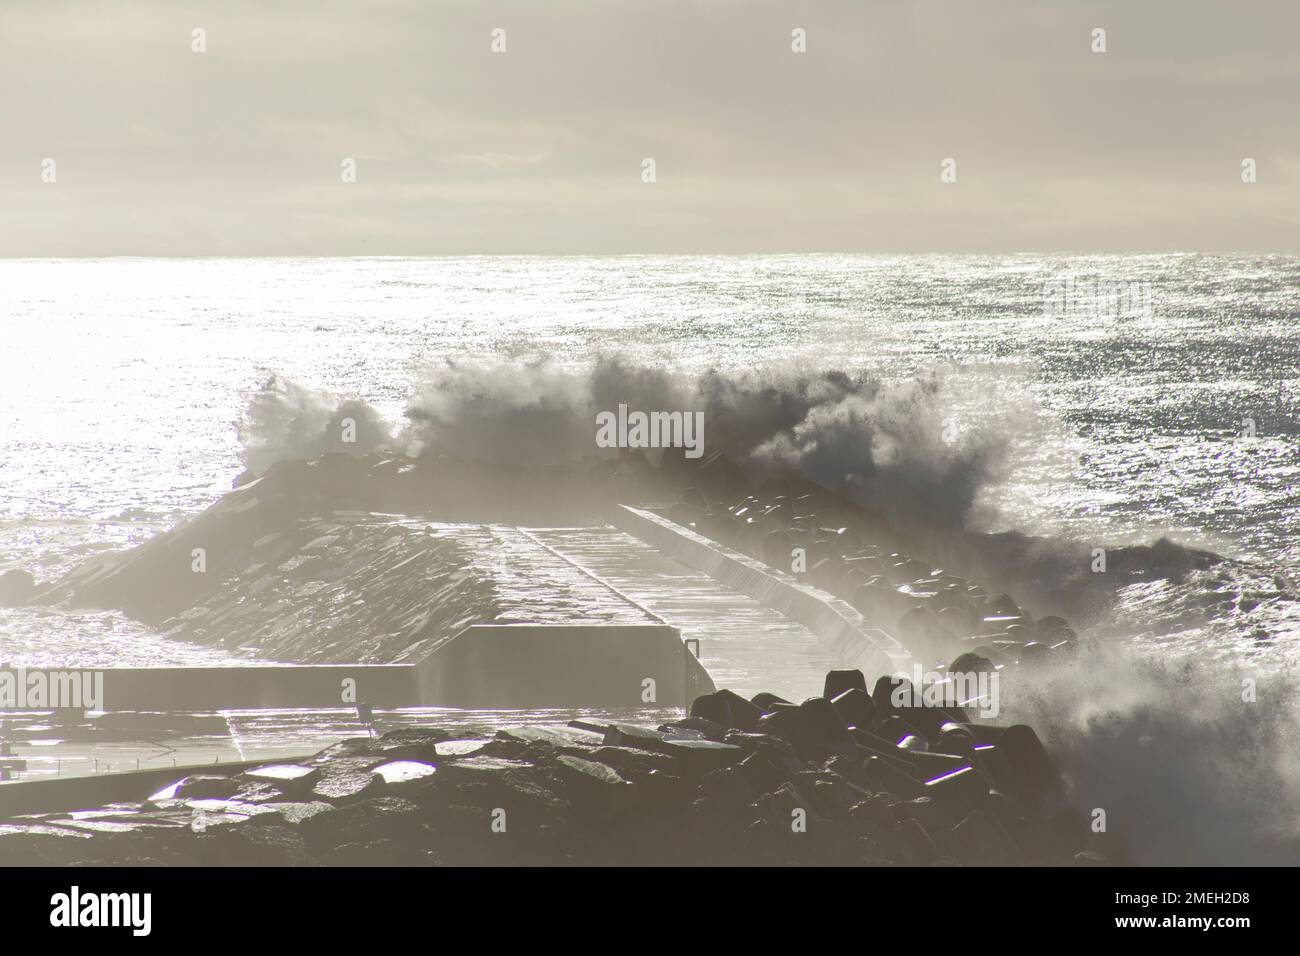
[(125, 376)]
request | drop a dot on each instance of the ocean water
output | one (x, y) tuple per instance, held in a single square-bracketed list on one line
[(1169, 408), (1113, 399)]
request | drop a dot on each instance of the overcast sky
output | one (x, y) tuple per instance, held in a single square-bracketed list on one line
[(237, 151)]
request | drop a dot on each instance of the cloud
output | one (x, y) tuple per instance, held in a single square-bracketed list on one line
[(500, 160), (237, 151)]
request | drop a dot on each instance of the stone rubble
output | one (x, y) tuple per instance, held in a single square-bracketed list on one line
[(800, 529), (842, 779)]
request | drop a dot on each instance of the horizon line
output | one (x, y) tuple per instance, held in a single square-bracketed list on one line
[(638, 255)]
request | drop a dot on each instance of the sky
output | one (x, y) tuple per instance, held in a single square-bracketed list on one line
[(240, 150)]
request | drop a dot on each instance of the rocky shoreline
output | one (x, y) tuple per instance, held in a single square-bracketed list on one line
[(738, 782)]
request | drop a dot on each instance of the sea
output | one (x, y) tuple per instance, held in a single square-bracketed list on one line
[(1116, 400)]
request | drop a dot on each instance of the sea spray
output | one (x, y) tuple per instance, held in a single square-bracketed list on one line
[(284, 420), (1189, 762), (882, 444)]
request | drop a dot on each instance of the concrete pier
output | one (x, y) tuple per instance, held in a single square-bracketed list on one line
[(483, 666)]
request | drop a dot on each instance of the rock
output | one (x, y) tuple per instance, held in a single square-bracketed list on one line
[(727, 709), (850, 768), (295, 811), (284, 774), (883, 842), (893, 729), (971, 663), (882, 694), (1015, 822), (1052, 629), (1031, 771), (733, 789), (347, 786), (959, 622), (633, 763), (1033, 653), (881, 605), (876, 810), (979, 840), (257, 843), (778, 551), (790, 723), (927, 765), (287, 778), (1001, 606), (197, 786), (822, 718), (954, 739), (901, 709), (764, 701), (16, 587), (925, 811), (694, 498), (960, 790), (855, 708), (832, 795), (404, 771), (696, 756), (709, 729), (887, 778), (837, 682), (763, 773), (713, 708), (368, 819), (584, 771), (555, 736), (917, 845), (952, 596), (722, 527)]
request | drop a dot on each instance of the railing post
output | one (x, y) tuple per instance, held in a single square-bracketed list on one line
[(689, 677)]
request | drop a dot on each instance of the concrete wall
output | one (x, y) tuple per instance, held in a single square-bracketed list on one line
[(835, 622), (562, 665), (249, 688), (76, 793), (484, 666)]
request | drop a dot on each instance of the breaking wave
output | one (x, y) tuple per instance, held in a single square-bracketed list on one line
[(283, 420), (881, 445)]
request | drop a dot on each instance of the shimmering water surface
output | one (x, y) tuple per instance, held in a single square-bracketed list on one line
[(121, 379)]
